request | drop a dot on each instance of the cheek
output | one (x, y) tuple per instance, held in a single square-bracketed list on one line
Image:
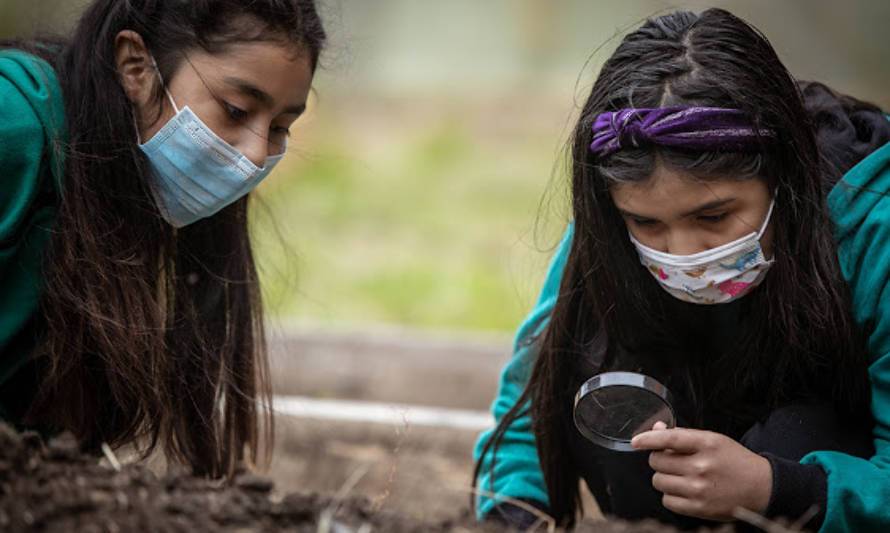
[(734, 227), (648, 236), (214, 117)]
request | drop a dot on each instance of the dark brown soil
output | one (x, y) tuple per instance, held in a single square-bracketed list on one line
[(55, 487)]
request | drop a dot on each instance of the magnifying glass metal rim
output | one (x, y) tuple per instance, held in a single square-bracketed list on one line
[(619, 379)]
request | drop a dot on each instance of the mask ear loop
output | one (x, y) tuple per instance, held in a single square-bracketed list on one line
[(166, 91), (164, 85), (769, 215)]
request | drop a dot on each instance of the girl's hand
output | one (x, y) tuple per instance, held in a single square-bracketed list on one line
[(705, 474)]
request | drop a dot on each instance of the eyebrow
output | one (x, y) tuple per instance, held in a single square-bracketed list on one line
[(704, 207), (261, 96)]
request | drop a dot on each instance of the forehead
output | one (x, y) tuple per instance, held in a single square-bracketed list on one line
[(668, 191), (278, 69)]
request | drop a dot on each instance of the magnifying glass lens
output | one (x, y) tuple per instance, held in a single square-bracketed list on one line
[(611, 408)]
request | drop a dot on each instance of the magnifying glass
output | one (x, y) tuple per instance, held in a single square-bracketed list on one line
[(611, 408)]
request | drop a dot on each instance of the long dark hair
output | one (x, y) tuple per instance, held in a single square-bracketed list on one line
[(152, 333), (798, 339)]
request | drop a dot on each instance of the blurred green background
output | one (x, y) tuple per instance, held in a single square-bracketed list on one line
[(426, 187)]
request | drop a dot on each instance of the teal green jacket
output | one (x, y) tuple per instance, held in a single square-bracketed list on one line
[(31, 137), (858, 489)]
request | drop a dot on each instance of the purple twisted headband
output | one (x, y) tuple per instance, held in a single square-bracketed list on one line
[(695, 128)]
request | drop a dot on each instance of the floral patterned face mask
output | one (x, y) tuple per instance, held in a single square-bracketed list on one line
[(716, 276)]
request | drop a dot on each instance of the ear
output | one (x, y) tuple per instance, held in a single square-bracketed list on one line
[(135, 68)]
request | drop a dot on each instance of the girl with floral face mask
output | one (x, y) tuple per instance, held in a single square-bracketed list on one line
[(130, 305), (714, 247)]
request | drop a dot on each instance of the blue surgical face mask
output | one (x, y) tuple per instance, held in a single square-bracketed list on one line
[(196, 173)]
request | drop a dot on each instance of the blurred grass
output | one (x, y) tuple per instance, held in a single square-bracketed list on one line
[(422, 214)]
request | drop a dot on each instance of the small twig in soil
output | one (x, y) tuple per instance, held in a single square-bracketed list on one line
[(326, 519), (109, 454), (806, 517), (543, 518), (378, 502), (756, 520)]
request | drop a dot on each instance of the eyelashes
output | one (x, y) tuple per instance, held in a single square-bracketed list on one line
[(239, 115), (710, 219), (235, 113)]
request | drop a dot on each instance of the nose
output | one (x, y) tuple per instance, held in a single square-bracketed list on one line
[(683, 243), (256, 149)]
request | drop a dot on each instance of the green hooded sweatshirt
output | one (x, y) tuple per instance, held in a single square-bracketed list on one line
[(31, 136), (858, 496)]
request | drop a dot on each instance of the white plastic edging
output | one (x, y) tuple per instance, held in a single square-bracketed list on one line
[(381, 413)]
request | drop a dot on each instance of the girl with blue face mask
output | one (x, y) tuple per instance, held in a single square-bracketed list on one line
[(196, 173), (130, 307), (729, 238)]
